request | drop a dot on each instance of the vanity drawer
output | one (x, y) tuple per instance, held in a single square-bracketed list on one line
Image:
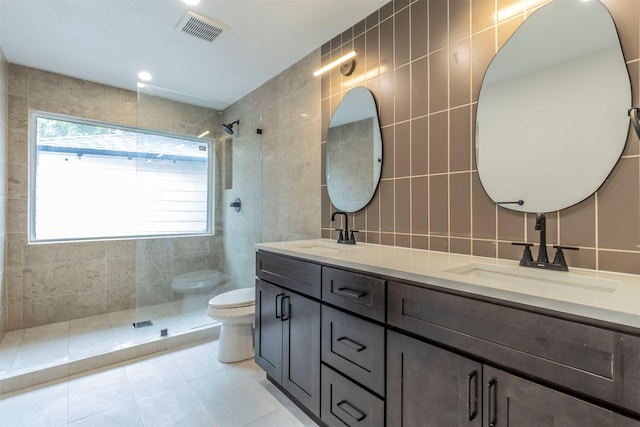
[(290, 273), (346, 403), (354, 347), (354, 292), (586, 359)]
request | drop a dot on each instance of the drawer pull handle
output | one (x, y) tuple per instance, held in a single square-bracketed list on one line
[(350, 343), (346, 292), (491, 392), (350, 410), (472, 411)]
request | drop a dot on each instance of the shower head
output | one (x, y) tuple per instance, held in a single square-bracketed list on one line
[(228, 128)]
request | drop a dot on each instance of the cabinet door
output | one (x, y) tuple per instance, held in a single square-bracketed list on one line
[(301, 350), (268, 338), (513, 401), (429, 386)]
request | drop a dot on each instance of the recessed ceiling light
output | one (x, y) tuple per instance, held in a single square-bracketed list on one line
[(141, 85), (144, 76), (192, 2)]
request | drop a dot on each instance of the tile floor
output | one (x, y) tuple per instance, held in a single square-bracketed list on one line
[(35, 355), (182, 387)]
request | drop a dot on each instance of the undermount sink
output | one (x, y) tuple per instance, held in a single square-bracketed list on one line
[(323, 246), (533, 281)]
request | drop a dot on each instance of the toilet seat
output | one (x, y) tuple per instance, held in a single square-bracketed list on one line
[(237, 298)]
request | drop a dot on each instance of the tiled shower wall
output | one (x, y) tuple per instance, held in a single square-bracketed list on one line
[(424, 62), (287, 110), (49, 283), (3, 189)]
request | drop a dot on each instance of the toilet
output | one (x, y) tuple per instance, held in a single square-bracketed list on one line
[(235, 310), (196, 281)]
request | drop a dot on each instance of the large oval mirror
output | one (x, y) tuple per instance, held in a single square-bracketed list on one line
[(552, 112), (354, 151)]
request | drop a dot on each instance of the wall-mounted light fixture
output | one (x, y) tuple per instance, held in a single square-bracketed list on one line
[(346, 70)]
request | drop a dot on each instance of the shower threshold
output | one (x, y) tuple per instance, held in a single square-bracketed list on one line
[(45, 353)]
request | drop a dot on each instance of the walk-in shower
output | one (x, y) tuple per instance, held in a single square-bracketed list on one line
[(189, 246)]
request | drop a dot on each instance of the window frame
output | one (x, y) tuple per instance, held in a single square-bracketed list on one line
[(32, 136)]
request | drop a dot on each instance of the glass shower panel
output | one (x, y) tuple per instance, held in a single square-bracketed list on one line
[(179, 260), (240, 156)]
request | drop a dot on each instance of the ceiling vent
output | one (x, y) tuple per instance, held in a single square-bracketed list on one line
[(200, 26)]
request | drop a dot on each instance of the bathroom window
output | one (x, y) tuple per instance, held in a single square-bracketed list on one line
[(92, 180)]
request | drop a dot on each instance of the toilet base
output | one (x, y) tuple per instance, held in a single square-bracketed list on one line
[(236, 342)]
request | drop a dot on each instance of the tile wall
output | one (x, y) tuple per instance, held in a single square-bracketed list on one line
[(47, 283), (286, 108), (424, 62), (3, 189)]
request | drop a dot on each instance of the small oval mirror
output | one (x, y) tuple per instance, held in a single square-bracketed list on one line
[(552, 112), (354, 151)]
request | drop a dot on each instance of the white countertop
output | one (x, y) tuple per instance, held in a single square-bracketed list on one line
[(606, 296)]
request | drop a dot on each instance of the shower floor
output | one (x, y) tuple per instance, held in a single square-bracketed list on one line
[(44, 353)]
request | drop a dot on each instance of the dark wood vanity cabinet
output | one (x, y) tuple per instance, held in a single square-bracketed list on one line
[(353, 348), (593, 363), (344, 403), (287, 338), (432, 387), (360, 350), (510, 400), (428, 386), (292, 296), (288, 342), (357, 293)]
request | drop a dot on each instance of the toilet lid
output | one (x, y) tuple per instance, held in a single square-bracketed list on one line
[(236, 298)]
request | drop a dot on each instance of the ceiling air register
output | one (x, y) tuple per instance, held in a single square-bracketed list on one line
[(200, 26)]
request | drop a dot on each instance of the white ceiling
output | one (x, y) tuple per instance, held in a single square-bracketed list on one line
[(109, 41)]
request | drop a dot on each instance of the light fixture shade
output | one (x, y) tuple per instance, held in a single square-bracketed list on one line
[(335, 63)]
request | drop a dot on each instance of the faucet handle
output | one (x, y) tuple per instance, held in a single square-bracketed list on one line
[(526, 254), (559, 258), (352, 237), (341, 236)]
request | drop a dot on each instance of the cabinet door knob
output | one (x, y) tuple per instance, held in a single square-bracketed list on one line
[(351, 410)]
